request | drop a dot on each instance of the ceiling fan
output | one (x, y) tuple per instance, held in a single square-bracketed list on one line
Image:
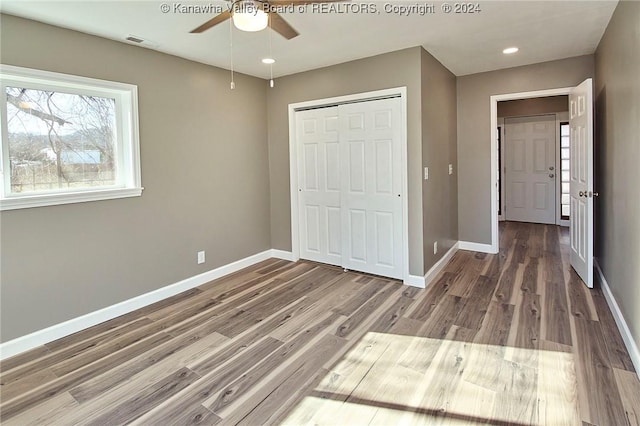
[(254, 15)]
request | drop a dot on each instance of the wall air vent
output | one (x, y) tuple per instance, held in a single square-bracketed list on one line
[(140, 40), (134, 39)]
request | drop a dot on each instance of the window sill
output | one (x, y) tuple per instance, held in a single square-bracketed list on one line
[(42, 200)]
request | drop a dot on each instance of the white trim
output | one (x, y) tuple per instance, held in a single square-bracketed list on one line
[(293, 166), (282, 254), (41, 200), (414, 281), (49, 334), (440, 264), (494, 99), (471, 246), (423, 282), (632, 346), (494, 179), (500, 123), (405, 178), (293, 185)]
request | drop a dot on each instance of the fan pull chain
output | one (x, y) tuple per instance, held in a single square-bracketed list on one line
[(270, 54), (233, 84)]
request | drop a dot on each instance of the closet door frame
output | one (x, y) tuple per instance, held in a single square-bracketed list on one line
[(399, 92)]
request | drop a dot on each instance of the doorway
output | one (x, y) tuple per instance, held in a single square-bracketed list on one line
[(349, 180), (495, 151), (581, 194), (534, 123)]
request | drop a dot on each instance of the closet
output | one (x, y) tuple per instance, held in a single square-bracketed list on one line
[(349, 160)]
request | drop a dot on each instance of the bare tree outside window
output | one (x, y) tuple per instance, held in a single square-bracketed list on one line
[(59, 140)]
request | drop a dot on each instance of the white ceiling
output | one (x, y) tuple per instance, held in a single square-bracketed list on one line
[(464, 43)]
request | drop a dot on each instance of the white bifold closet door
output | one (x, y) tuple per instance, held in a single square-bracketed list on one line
[(350, 186), (319, 185)]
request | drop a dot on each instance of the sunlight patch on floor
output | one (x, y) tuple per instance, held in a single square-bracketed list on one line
[(394, 379)]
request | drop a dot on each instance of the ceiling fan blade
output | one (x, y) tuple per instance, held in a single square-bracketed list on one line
[(300, 2), (213, 22), (282, 27)]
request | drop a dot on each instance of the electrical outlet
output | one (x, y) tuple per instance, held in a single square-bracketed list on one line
[(426, 173), (200, 257), (450, 169), (435, 248)]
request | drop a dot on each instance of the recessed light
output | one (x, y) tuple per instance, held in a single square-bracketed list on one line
[(510, 50), (268, 61)]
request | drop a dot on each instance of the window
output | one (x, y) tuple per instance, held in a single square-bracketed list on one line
[(564, 170), (66, 139)]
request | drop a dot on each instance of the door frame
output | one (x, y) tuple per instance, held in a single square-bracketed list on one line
[(494, 99), (400, 92)]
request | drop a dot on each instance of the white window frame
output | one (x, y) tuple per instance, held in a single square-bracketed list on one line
[(128, 178)]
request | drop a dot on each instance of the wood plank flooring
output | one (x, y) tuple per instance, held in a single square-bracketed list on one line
[(507, 339)]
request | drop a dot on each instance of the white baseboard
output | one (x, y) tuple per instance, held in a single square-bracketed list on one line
[(49, 334), (414, 281), (440, 264), (482, 248), (632, 345), (423, 282), (284, 255)]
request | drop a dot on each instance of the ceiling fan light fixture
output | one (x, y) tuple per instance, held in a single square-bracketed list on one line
[(248, 16)]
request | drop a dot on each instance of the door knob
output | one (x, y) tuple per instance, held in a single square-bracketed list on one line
[(595, 194), (551, 175), (551, 168), (580, 194)]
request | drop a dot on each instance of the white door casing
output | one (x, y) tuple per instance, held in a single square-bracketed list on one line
[(370, 139), (530, 175), (581, 180), (319, 185), (493, 104), (350, 186)]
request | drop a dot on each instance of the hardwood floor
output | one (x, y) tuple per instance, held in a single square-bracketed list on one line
[(507, 339)]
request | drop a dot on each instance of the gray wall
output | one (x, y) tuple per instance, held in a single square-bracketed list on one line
[(533, 106), (204, 169), (617, 92), (474, 138), (439, 144), (401, 68)]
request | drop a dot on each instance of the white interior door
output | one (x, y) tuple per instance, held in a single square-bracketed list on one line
[(530, 175), (319, 185), (581, 181), (370, 139)]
